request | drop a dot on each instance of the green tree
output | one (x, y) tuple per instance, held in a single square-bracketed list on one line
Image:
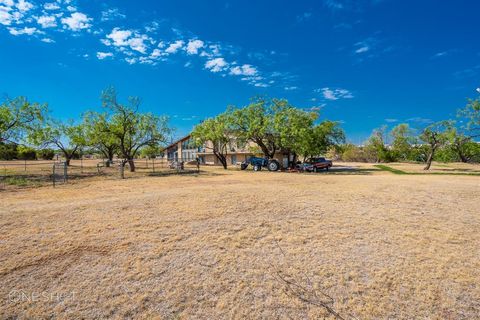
[(293, 129), (435, 136), (216, 135), (402, 140), (132, 129), (255, 123), (19, 116), (26, 153), (65, 136), (46, 154), (462, 145), (99, 135), (8, 151), (375, 148), (318, 139)]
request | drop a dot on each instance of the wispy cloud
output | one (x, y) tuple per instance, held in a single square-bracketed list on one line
[(391, 120), (112, 14), (443, 54), (335, 94)]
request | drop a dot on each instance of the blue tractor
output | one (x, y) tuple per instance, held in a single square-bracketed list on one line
[(259, 163)]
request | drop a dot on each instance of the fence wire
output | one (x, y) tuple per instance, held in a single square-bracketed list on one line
[(33, 173)]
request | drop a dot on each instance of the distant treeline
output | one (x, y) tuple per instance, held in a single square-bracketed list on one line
[(27, 131), (13, 151)]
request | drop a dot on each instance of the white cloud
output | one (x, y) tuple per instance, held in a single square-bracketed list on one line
[(362, 49), (7, 3), (77, 21), (137, 43), (26, 30), (51, 6), (335, 94), (216, 65), (5, 17), (175, 46), (103, 55), (123, 38), (291, 88), (47, 21), (47, 40), (245, 70), (119, 37), (156, 53), (24, 6), (194, 45)]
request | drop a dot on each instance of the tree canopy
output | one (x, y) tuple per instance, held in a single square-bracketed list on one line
[(18, 116)]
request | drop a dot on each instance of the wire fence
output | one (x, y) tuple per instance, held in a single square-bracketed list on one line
[(25, 173)]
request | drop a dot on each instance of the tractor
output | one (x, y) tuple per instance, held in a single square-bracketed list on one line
[(259, 163)]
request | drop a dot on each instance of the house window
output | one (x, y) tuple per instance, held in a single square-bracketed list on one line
[(234, 159)]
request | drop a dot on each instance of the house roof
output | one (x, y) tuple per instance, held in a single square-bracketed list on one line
[(175, 142)]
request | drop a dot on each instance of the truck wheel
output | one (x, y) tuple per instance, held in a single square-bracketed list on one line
[(257, 167), (273, 166), (243, 166)]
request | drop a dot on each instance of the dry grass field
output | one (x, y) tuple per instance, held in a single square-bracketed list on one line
[(365, 244)]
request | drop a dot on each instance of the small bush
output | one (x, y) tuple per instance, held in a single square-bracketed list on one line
[(46, 154)]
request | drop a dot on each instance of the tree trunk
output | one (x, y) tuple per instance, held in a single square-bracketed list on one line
[(462, 156), (222, 159), (131, 164), (265, 149), (67, 160), (429, 159)]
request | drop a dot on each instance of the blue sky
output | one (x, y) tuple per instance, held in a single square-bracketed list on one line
[(364, 63)]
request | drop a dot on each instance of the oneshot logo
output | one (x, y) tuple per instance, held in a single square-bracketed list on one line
[(22, 296)]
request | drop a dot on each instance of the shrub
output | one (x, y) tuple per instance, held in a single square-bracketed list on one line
[(8, 151), (46, 154), (26, 153)]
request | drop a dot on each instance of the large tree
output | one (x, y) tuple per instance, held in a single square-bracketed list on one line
[(293, 129), (255, 123), (318, 139), (132, 129), (216, 135), (402, 141), (375, 147), (99, 136), (435, 136), (19, 116), (462, 145), (65, 136)]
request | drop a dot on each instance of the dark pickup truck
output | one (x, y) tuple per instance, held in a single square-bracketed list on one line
[(315, 165)]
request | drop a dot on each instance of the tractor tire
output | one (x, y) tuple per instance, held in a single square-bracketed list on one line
[(243, 166), (257, 167), (273, 165)]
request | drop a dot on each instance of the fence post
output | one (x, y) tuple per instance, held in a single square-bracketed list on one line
[(122, 168), (153, 165), (25, 163), (81, 164), (65, 177), (53, 175)]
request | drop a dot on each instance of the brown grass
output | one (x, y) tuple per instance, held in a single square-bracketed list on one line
[(244, 245)]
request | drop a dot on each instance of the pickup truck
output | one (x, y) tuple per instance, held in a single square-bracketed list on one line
[(315, 165)]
